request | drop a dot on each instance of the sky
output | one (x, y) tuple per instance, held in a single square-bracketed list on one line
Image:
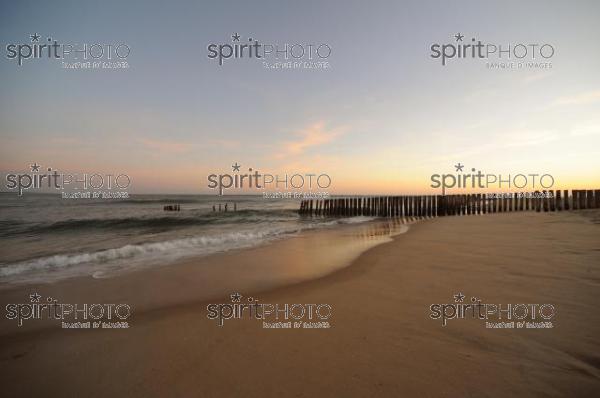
[(381, 119)]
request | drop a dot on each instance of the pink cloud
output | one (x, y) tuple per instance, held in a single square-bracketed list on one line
[(313, 136)]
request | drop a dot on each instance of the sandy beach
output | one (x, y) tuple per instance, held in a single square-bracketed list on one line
[(382, 340)]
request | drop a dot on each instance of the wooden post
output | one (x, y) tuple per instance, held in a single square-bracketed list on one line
[(429, 206), (590, 199), (566, 199), (546, 200), (444, 203), (455, 205), (481, 203), (465, 204), (417, 206), (597, 198), (559, 203), (469, 204), (484, 204), (403, 203)]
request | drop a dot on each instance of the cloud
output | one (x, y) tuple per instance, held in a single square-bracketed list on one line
[(524, 138), (314, 136), (578, 99), (165, 146), (536, 77), (586, 129)]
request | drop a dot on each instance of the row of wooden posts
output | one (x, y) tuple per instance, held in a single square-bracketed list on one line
[(449, 205)]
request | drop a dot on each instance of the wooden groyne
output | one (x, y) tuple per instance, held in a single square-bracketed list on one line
[(451, 205)]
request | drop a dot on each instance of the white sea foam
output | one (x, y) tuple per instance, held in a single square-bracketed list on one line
[(108, 261)]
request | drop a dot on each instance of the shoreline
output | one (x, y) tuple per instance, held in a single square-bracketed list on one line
[(315, 253), (382, 341)]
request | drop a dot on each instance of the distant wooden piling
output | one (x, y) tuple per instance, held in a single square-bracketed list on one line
[(428, 206)]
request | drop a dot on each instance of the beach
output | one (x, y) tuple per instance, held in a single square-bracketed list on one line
[(381, 341)]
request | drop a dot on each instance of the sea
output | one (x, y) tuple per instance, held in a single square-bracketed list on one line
[(44, 237)]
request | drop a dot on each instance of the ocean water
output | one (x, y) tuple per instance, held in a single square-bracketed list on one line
[(45, 238)]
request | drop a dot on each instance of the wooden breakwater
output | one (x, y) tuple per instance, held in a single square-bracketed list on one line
[(451, 205)]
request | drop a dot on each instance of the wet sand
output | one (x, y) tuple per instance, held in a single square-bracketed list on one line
[(310, 255), (382, 341)]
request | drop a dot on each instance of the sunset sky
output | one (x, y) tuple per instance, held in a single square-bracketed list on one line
[(382, 119)]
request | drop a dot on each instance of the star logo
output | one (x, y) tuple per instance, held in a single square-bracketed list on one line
[(459, 298), (35, 37), (235, 167), (459, 37), (459, 167), (235, 297), (35, 167), (35, 298), (235, 37)]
